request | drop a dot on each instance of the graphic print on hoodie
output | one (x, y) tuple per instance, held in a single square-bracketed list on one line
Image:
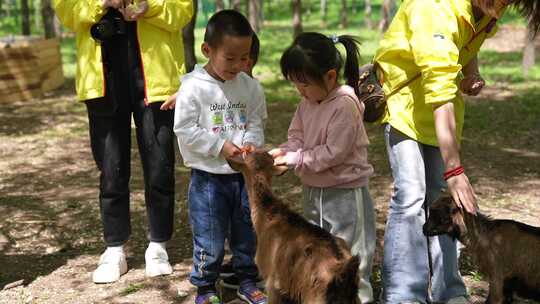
[(209, 111)]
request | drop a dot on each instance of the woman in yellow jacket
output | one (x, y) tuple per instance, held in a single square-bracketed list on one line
[(130, 59), (430, 47)]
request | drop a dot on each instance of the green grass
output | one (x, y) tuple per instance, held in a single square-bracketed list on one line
[(132, 288)]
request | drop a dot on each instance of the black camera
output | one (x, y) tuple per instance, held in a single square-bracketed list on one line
[(111, 25)]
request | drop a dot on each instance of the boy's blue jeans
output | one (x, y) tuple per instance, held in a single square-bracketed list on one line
[(215, 202), (417, 170)]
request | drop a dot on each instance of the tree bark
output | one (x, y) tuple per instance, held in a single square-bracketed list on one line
[(25, 15), (219, 5), (297, 17), (343, 22), (254, 14), (367, 13), (387, 12), (47, 14), (236, 5), (189, 41), (324, 12), (528, 52)]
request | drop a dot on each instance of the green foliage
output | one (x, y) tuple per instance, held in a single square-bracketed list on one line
[(132, 288)]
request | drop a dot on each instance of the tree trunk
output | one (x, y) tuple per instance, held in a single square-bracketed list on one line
[(219, 5), (236, 5), (387, 13), (343, 22), (25, 15), (324, 12), (47, 14), (57, 27), (367, 11), (528, 52), (254, 14), (189, 41), (297, 17), (37, 13)]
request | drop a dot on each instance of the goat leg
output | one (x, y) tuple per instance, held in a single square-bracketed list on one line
[(495, 295)]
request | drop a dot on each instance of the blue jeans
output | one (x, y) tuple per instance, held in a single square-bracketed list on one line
[(417, 170), (215, 202)]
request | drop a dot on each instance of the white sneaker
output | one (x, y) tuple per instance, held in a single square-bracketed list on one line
[(112, 265), (157, 262)]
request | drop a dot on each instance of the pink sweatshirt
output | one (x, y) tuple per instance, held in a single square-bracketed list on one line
[(327, 142)]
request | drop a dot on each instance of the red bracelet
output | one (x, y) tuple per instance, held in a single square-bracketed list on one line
[(454, 172)]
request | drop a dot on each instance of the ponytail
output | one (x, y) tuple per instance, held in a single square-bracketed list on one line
[(351, 69)]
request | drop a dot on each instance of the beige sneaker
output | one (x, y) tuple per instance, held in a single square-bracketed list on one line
[(112, 264), (157, 262)]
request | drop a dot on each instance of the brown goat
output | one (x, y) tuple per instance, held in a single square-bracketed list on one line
[(301, 262), (506, 251)]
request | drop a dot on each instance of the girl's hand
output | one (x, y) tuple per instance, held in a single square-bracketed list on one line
[(169, 103), (472, 84), (280, 160), (276, 152)]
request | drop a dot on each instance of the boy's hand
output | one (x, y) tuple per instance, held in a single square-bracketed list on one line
[(472, 84), (248, 148), (169, 103), (230, 150)]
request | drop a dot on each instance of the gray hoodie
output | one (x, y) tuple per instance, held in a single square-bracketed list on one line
[(209, 111)]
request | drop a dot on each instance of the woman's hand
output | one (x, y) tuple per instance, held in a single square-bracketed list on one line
[(462, 192), (113, 3), (132, 12), (169, 103), (472, 84)]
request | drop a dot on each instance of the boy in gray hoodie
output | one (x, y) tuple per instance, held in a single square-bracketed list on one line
[(219, 111)]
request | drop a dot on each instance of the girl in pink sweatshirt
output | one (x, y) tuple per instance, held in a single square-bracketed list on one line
[(327, 145)]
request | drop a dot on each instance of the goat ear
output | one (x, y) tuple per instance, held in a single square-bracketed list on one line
[(279, 170), (237, 162), (458, 223)]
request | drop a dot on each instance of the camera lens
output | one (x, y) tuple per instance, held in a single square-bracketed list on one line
[(103, 30)]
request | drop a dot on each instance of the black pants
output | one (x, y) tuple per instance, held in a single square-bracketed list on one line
[(110, 137)]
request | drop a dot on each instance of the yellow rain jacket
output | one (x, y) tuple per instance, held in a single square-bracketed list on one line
[(159, 33), (435, 38)]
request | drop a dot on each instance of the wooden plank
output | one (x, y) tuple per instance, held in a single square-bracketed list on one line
[(18, 53), (41, 44), (50, 64), (47, 53), (53, 80), (20, 71), (16, 85), (30, 76), (23, 95)]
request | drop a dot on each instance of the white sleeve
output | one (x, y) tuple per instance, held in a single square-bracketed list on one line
[(187, 128), (256, 118)]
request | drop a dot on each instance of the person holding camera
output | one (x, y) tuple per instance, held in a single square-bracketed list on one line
[(129, 61)]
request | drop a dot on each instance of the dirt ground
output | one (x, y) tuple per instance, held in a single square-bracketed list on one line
[(50, 231)]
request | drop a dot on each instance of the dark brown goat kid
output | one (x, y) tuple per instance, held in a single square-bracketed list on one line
[(301, 263), (506, 251)]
